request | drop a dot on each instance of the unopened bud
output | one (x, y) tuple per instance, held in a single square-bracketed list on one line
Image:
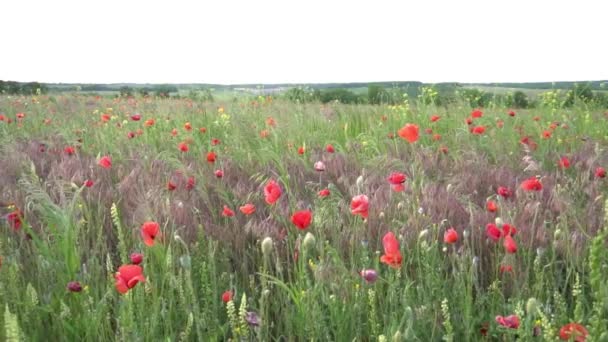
[(267, 246)]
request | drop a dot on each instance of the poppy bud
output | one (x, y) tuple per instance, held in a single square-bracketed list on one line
[(532, 306), (423, 234), (359, 181), (309, 241), (400, 205), (369, 275), (136, 258), (267, 246), (381, 215), (557, 234), (397, 337), (74, 286), (499, 222)]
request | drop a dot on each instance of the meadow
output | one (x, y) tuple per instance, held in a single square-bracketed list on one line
[(260, 219)]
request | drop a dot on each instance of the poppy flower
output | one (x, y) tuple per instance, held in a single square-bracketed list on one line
[(436, 137), (171, 186), (264, 133), (135, 117), (492, 232), (301, 150), (450, 236), (428, 130), (105, 162), (504, 192), (215, 142), (227, 212), (564, 163), (509, 244), (149, 122), (324, 193), (359, 205), (443, 149), (88, 183), (174, 132), (211, 156), (272, 192), (409, 132), (574, 331), (183, 147), (131, 135), (508, 229), (469, 121), (600, 172), (532, 184), (506, 269), (319, 166), (190, 183), (127, 277), (149, 232), (227, 296), (270, 121), (392, 255), (546, 134), (369, 275), (105, 117), (69, 150), (187, 126), (247, 209), (14, 219), (435, 118), (218, 173), (396, 179), (329, 148), (511, 113), (74, 286), (203, 130), (477, 113), (511, 322), (491, 206), (302, 219), (478, 130), (136, 258)]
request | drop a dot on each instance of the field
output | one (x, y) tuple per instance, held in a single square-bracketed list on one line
[(148, 219)]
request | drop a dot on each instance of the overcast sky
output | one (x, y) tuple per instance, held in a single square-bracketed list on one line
[(230, 41)]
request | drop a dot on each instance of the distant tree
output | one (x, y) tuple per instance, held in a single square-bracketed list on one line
[(126, 91), (376, 94), (520, 99), (300, 94), (579, 92), (341, 95), (2, 87)]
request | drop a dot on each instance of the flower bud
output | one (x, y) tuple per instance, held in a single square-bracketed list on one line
[(369, 275), (74, 286), (136, 258), (498, 222), (267, 246), (532, 306), (309, 241)]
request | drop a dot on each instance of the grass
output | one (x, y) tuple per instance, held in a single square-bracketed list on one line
[(304, 284)]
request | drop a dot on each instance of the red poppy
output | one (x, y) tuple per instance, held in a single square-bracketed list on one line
[(564, 163), (504, 192), (136, 258), (443, 149), (227, 212), (436, 137), (509, 244), (127, 277), (131, 135), (88, 183), (174, 132), (105, 117), (227, 296), (218, 173), (301, 150), (536, 118), (396, 179), (329, 148), (211, 156), (532, 184), (600, 172), (264, 133), (469, 121), (511, 113), (272, 191), (247, 209), (302, 219), (546, 134), (506, 269), (450, 236), (135, 117), (409, 132), (69, 150), (492, 232), (183, 147), (215, 141), (477, 113), (573, 331), (149, 232), (20, 115), (508, 229), (392, 255), (324, 193), (478, 130), (190, 183), (511, 322), (435, 118), (105, 162), (428, 130), (203, 130), (74, 286), (359, 205), (14, 219), (319, 166), (491, 206), (187, 126), (270, 121), (171, 186)]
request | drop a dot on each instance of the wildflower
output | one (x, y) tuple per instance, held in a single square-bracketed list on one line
[(211, 156), (187, 126), (359, 205), (409, 132), (74, 286), (477, 113), (546, 134), (127, 277), (504, 192), (190, 183), (369, 275), (247, 209), (309, 241), (491, 206), (397, 179), (149, 232), (227, 296), (508, 229), (131, 135), (252, 318), (183, 147), (136, 258), (105, 162), (564, 162), (88, 183), (506, 269), (450, 236), (509, 244), (171, 186), (469, 121), (324, 193), (219, 173), (203, 130), (329, 148), (302, 219), (14, 219), (272, 191), (227, 212), (392, 255), (267, 246), (478, 130), (435, 118), (492, 232), (135, 117), (511, 113), (319, 166), (301, 150), (600, 172), (215, 142), (69, 150), (573, 331), (531, 184), (105, 117), (511, 322)]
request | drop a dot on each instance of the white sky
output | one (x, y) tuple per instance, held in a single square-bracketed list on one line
[(230, 41)]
